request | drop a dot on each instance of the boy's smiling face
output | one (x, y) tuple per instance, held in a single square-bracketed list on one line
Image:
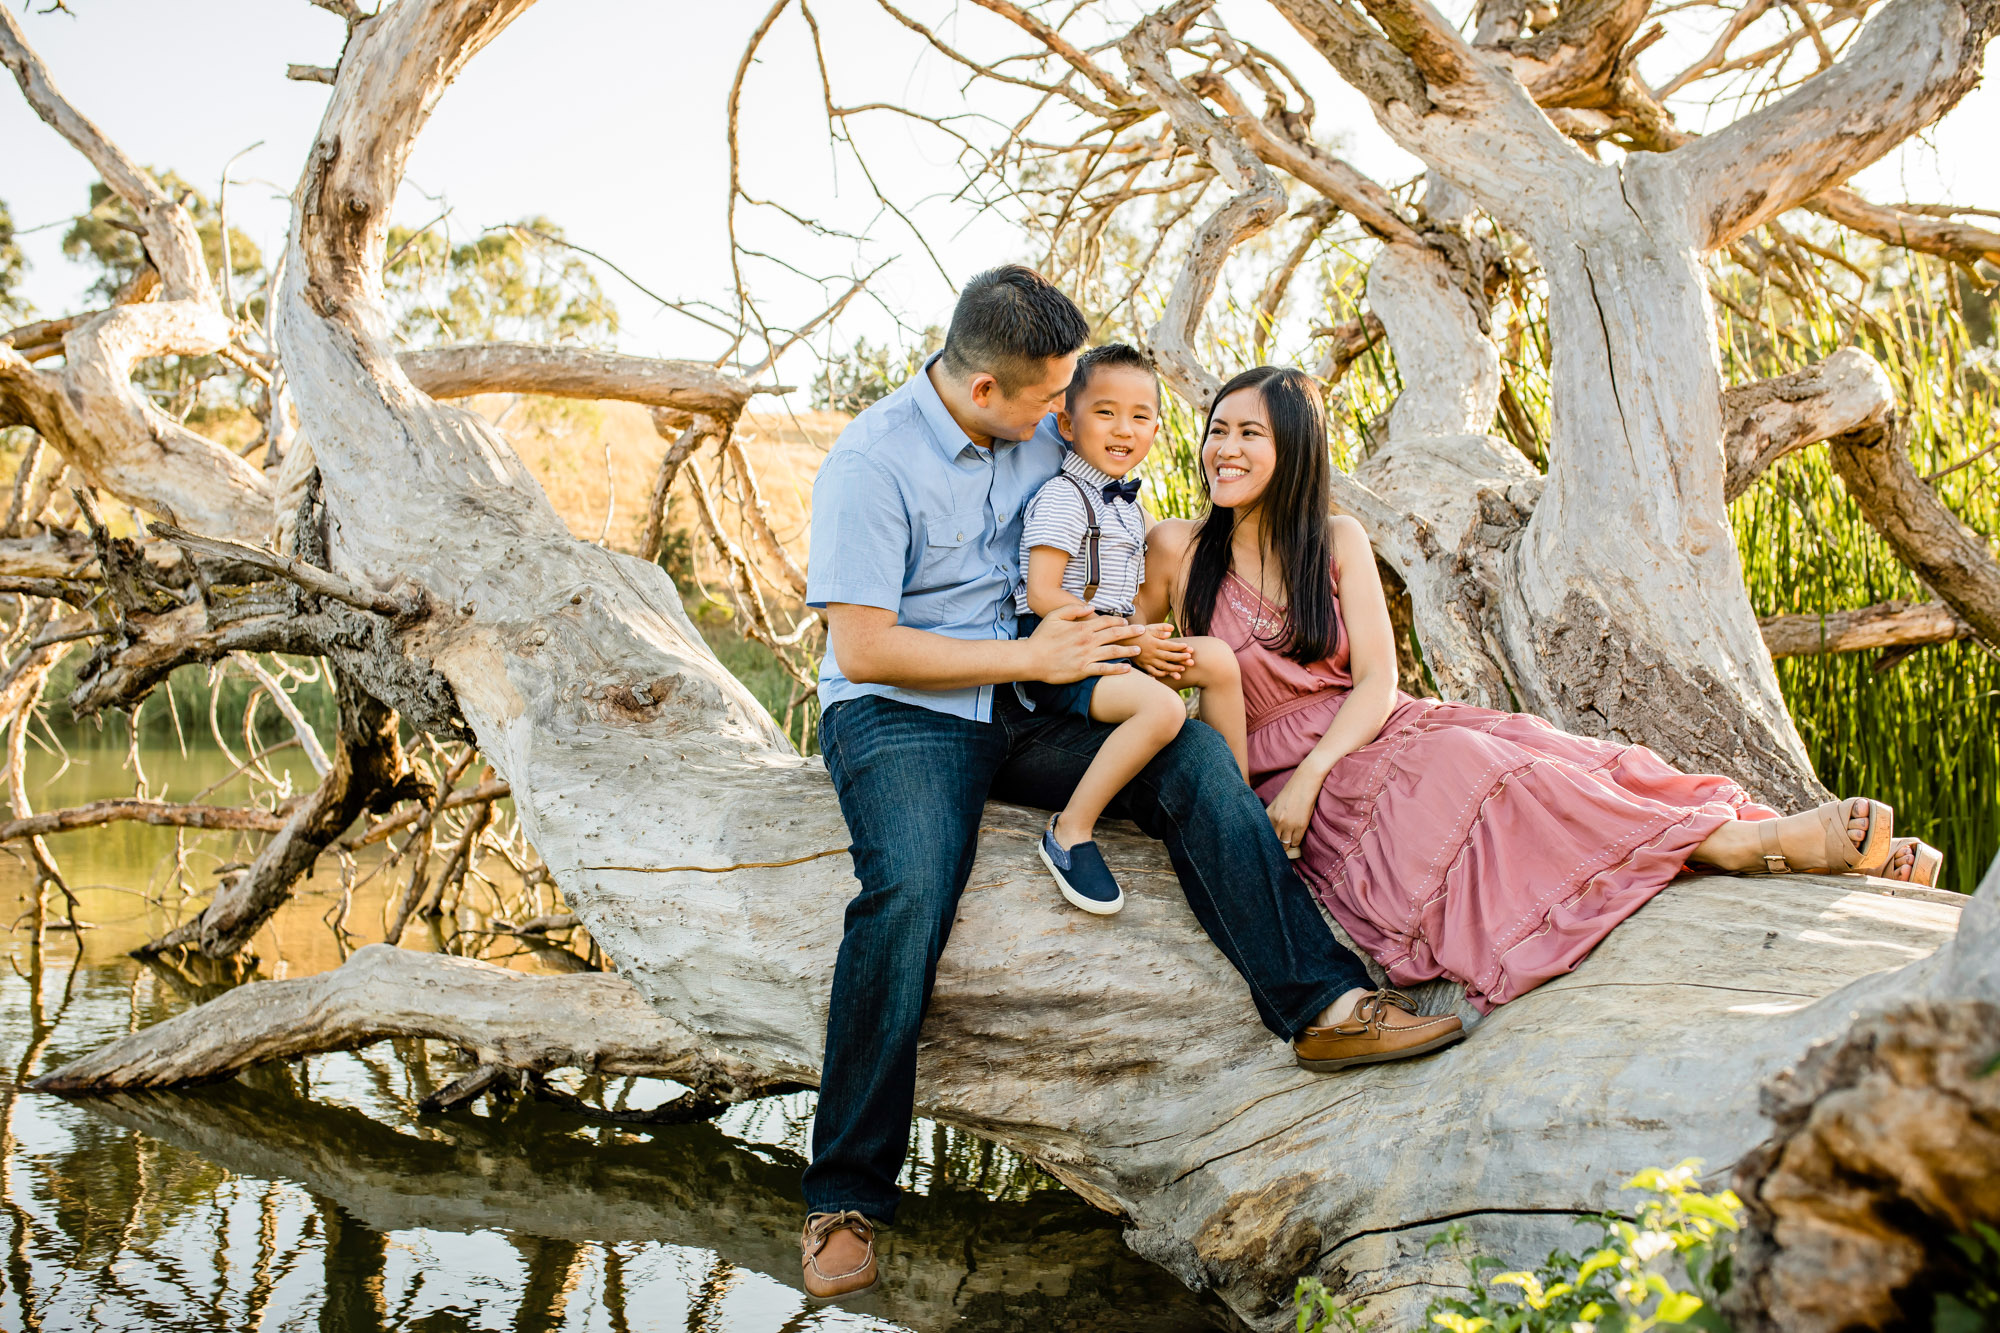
[(1115, 418)]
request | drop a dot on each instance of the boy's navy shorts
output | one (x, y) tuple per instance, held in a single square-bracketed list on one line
[(1071, 698)]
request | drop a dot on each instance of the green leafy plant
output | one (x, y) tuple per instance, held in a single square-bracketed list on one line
[(1622, 1286), (1976, 1307)]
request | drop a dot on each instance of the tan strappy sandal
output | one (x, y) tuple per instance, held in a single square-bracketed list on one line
[(1926, 862), (1842, 856)]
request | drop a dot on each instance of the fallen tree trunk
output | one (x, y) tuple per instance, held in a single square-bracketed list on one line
[(1234, 1169), (708, 860)]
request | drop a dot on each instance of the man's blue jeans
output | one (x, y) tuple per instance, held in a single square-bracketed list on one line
[(912, 784)]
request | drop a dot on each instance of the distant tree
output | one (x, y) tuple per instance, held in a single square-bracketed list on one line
[(13, 264), (850, 381), (515, 282), (106, 237)]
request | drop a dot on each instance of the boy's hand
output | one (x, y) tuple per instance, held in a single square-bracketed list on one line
[(1161, 655), (1073, 642)]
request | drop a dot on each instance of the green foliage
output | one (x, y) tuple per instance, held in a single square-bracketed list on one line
[(516, 282), (1620, 1287), (13, 265), (1975, 1308), (851, 381), (104, 237)]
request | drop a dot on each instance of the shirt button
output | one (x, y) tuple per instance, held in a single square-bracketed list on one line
[(960, 537)]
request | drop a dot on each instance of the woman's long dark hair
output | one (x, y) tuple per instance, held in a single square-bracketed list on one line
[(1295, 508)]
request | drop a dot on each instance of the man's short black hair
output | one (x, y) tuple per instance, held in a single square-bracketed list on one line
[(1096, 359), (1008, 322)]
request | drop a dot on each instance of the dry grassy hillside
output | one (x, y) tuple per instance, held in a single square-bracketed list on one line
[(575, 448)]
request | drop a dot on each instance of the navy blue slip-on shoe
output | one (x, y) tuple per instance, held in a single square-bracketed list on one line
[(1082, 875)]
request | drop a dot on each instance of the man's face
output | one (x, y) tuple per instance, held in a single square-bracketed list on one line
[(1014, 416)]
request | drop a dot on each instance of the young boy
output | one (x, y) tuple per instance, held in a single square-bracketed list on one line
[(1083, 541)]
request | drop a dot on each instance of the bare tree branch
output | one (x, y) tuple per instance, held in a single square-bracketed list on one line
[(168, 234), (318, 582), (1765, 421), (574, 372), (1953, 561), (240, 818), (1256, 202), (1961, 242), (1884, 625), (1913, 61)]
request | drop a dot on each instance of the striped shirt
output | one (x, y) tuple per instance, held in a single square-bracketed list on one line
[(1056, 517)]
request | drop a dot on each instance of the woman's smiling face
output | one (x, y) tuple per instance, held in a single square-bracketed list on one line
[(1239, 455)]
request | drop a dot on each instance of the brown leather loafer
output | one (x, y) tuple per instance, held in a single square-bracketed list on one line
[(839, 1254), (1384, 1026)]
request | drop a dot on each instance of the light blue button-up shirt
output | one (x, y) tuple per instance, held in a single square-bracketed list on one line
[(910, 515)]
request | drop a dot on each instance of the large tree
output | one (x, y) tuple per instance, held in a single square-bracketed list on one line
[(1124, 1057)]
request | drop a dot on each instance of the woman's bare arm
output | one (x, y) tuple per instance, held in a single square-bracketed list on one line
[(1371, 660), (1166, 561)]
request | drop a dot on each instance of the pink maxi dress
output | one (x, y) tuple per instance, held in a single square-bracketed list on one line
[(1489, 848)]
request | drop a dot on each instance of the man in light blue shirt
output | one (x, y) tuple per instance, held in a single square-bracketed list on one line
[(915, 557), (934, 539)]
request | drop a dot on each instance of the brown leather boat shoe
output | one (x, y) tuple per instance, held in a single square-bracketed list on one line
[(838, 1254), (1384, 1026)]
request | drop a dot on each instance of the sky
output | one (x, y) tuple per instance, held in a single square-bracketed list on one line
[(608, 116)]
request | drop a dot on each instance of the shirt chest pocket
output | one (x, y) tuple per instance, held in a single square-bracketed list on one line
[(952, 548)]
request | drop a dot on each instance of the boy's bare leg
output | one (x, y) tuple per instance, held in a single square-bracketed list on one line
[(1148, 715), (1215, 670)]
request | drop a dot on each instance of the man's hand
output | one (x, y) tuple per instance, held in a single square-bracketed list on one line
[(1073, 642), (1161, 655)]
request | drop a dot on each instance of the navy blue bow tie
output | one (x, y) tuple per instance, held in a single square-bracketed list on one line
[(1128, 491)]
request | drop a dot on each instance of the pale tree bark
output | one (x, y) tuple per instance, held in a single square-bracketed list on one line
[(90, 410), (1126, 1059), (1769, 419)]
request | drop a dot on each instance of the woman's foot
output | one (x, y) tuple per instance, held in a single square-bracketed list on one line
[(1913, 861), (1844, 837)]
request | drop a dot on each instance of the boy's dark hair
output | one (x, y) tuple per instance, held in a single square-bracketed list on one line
[(1096, 359), (1009, 320)]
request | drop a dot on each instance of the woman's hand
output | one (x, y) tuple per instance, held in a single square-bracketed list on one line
[(1292, 809), (1161, 655)]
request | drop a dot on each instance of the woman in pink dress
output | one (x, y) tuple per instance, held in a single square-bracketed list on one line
[(1448, 840)]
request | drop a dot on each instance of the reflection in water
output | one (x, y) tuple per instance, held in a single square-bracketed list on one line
[(314, 1196)]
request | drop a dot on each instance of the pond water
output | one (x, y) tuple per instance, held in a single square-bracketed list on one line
[(315, 1195)]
